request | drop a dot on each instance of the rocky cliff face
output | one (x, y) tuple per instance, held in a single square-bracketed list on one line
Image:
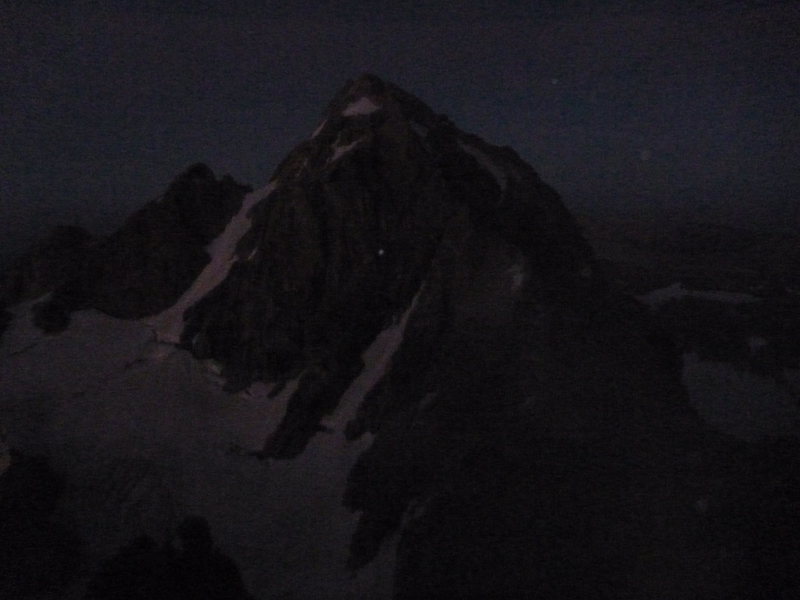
[(139, 270), (49, 264), (386, 203)]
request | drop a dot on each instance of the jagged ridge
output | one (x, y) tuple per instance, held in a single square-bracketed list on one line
[(139, 270)]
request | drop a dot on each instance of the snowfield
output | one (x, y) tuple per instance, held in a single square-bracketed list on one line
[(145, 436)]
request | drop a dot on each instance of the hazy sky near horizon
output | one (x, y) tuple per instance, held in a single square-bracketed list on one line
[(620, 102)]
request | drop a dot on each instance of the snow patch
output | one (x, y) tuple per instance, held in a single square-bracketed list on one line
[(677, 291), (740, 403), (168, 325), (144, 443), (144, 439), (362, 106), (487, 164)]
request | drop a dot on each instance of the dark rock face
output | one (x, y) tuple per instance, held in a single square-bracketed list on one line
[(48, 265), (197, 569), (5, 319), (145, 266), (518, 441), (51, 264), (38, 556), (139, 270)]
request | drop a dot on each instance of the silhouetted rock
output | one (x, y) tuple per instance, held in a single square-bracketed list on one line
[(146, 265), (142, 570), (139, 270), (38, 554), (60, 257)]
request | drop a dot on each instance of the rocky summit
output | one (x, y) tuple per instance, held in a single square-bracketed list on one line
[(388, 204), (397, 370)]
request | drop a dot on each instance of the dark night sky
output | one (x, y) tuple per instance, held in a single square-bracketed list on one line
[(614, 103)]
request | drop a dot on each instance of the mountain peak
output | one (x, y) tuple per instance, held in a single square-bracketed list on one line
[(372, 117), (408, 314), (367, 87), (385, 200), (199, 171), (366, 84)]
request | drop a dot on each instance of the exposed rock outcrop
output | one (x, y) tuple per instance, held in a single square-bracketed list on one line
[(49, 264), (140, 269), (153, 258)]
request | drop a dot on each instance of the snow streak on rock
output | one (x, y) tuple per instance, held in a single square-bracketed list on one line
[(339, 151), (168, 325), (677, 291), (376, 360), (310, 539), (319, 129)]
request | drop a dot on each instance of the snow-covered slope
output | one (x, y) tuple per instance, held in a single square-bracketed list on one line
[(146, 436)]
